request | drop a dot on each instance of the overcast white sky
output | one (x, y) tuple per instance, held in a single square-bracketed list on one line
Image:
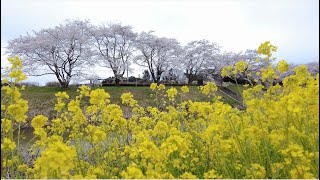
[(292, 25)]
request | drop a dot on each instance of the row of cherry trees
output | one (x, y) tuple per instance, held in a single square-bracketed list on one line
[(67, 49)]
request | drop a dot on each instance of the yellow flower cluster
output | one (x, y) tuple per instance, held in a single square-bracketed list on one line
[(92, 138), (268, 73), (6, 125), (154, 86), (226, 71), (283, 66), (95, 134), (99, 97), (127, 99), (58, 107), (171, 93), (240, 67), (185, 89), (55, 161), (266, 49), (256, 171), (7, 145), (16, 70), (209, 88), (39, 121)]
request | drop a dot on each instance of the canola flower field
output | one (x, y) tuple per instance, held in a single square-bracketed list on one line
[(276, 136)]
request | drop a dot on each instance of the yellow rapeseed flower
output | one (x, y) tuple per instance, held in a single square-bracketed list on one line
[(184, 89), (226, 71), (62, 95), (6, 125), (256, 171), (188, 175), (172, 92), (153, 86), (161, 87), (132, 172), (241, 66), (39, 121), (99, 97), (55, 161), (127, 99), (283, 66), (209, 88), (7, 145)]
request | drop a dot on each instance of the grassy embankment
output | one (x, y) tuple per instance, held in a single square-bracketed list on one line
[(42, 99)]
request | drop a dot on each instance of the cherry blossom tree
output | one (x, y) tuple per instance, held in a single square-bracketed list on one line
[(313, 67), (198, 55), (158, 54), (60, 50), (114, 46)]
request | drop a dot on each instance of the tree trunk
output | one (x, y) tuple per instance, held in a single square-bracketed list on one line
[(189, 80), (117, 80), (116, 77), (158, 80), (200, 82), (153, 77), (159, 72), (64, 84)]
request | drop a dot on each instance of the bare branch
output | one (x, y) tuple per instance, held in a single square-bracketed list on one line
[(40, 74)]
